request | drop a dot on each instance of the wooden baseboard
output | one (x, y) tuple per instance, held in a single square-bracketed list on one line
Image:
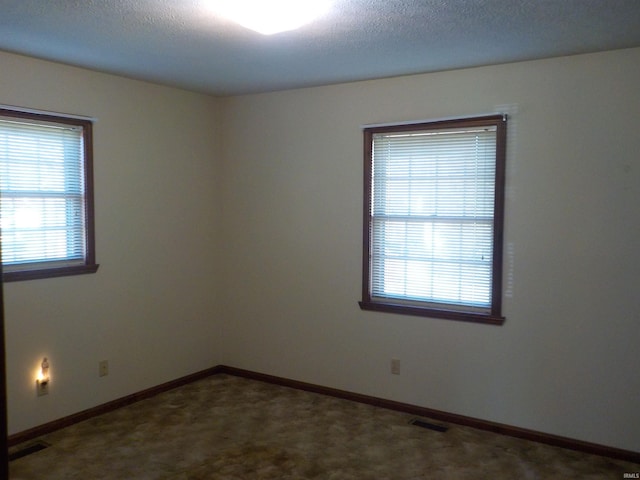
[(40, 430), (549, 439)]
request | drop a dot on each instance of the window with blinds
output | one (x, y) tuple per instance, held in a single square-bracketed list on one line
[(46, 198), (433, 218)]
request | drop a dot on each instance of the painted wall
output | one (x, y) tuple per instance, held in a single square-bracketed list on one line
[(229, 231), (151, 307), (565, 362)]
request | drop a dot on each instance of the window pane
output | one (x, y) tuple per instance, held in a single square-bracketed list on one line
[(43, 206), (432, 214)]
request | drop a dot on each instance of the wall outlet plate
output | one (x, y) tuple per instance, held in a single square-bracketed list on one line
[(395, 366), (103, 368), (42, 387)]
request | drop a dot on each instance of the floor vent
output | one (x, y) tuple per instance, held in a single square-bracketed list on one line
[(430, 426), (28, 450)]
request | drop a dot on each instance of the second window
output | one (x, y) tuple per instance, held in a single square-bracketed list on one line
[(433, 218)]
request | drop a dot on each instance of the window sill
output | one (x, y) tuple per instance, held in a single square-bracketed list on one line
[(433, 313), (49, 273)]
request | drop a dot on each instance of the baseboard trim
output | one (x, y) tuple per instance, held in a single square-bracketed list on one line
[(49, 427), (546, 438)]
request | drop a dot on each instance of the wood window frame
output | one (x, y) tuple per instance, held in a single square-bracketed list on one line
[(494, 316), (89, 265)]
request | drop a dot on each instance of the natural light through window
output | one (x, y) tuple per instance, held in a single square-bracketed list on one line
[(429, 234), (46, 214), (270, 17), (433, 218)]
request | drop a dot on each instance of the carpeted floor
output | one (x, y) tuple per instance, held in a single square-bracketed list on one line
[(231, 428)]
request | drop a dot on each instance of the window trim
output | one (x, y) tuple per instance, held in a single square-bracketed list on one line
[(494, 317), (89, 265)]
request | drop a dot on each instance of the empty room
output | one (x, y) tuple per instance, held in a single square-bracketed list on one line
[(384, 240)]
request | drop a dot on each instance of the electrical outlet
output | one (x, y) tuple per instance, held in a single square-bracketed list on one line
[(103, 368), (42, 387), (395, 366)]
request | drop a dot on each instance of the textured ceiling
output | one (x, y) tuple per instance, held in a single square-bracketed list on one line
[(182, 43)]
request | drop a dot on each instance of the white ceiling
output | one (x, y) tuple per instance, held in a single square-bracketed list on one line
[(182, 43)]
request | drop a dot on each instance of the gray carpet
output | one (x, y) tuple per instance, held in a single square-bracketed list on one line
[(231, 428)]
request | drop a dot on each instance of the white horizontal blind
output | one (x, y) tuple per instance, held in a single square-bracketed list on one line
[(42, 203), (432, 217)]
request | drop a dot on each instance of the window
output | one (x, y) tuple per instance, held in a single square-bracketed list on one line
[(433, 218), (46, 196)]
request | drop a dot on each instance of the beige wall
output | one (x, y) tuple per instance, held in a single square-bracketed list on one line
[(151, 308), (565, 362), (244, 248)]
